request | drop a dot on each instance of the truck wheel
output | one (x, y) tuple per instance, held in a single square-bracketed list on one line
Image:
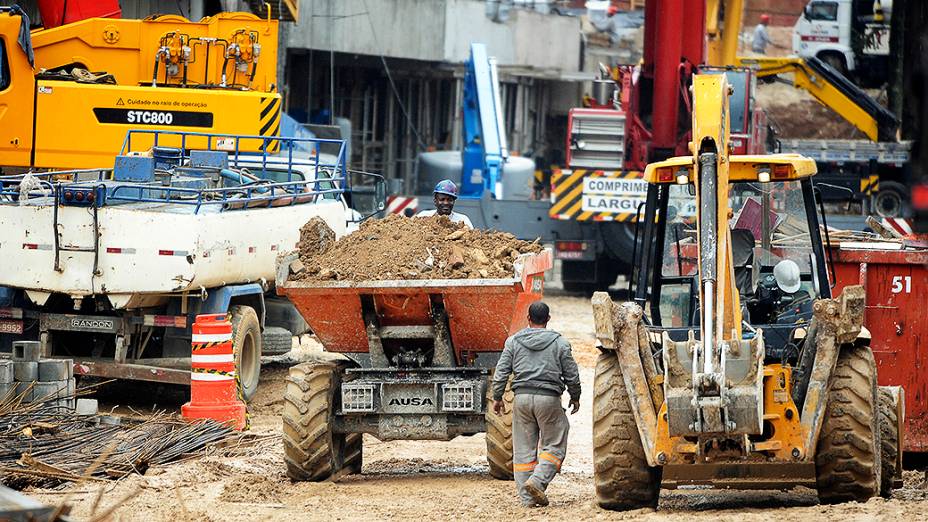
[(621, 473), (847, 460), (311, 451), (836, 61), (889, 442), (890, 201), (499, 437), (276, 341), (246, 345)]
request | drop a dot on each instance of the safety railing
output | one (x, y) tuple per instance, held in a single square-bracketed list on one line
[(286, 177), (287, 155)]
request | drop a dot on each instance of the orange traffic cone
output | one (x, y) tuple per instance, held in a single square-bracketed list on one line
[(213, 387)]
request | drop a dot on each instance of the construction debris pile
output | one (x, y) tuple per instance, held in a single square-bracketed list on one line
[(43, 444), (407, 248)]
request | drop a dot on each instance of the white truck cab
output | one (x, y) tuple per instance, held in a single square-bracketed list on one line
[(852, 36)]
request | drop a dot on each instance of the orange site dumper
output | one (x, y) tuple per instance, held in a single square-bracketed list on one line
[(418, 356)]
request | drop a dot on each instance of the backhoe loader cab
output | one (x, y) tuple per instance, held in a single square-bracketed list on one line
[(733, 366), (771, 223)]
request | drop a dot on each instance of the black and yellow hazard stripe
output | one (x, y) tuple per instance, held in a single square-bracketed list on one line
[(869, 185), (269, 120), (204, 346), (213, 372), (567, 195)]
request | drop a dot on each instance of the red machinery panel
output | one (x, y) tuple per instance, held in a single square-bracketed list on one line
[(896, 282), (60, 12)]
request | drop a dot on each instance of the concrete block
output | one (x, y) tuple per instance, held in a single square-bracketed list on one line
[(27, 351), (87, 407), (6, 372), (21, 388), (55, 370), (110, 419), (72, 387), (6, 388), (64, 405), (50, 391), (25, 371)]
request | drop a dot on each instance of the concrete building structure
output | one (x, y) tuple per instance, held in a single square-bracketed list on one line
[(394, 70)]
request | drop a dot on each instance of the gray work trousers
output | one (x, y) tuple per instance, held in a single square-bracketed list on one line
[(539, 440)]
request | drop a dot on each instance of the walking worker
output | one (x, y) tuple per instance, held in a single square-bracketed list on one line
[(762, 37), (444, 196), (542, 366)]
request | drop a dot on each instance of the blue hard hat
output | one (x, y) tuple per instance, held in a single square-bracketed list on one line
[(446, 186)]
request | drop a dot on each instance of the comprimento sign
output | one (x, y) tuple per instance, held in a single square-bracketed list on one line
[(166, 118), (602, 194)]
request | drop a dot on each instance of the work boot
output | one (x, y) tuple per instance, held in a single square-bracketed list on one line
[(535, 491)]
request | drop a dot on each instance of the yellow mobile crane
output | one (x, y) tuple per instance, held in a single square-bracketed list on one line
[(734, 366), (91, 81)]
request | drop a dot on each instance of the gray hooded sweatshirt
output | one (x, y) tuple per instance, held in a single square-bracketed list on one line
[(540, 362)]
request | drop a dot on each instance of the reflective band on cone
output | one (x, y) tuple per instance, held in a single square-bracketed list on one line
[(213, 386)]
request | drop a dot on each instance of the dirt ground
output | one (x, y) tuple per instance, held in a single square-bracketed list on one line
[(430, 480)]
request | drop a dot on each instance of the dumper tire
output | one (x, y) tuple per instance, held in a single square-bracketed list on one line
[(354, 451), (847, 460), (246, 345), (499, 435), (312, 451), (889, 442), (621, 473)]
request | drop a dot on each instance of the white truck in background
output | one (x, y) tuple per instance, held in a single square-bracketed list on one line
[(109, 267), (852, 36)]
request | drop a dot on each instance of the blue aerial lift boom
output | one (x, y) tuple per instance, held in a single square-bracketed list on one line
[(485, 149)]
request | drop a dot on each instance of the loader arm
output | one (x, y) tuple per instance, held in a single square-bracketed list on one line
[(721, 309), (832, 90), (713, 400)]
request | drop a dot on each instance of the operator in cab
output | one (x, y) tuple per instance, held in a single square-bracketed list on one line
[(445, 194), (779, 298)]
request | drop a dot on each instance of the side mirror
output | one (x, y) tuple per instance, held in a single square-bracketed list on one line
[(367, 199), (380, 195), (807, 12)]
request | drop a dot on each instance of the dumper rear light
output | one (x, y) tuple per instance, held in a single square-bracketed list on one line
[(357, 398), (457, 397)]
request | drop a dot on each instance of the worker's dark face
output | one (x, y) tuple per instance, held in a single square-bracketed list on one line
[(444, 204)]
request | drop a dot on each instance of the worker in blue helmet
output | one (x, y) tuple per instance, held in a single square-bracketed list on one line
[(445, 194)]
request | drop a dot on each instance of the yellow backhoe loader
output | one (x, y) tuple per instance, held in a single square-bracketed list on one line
[(734, 366)]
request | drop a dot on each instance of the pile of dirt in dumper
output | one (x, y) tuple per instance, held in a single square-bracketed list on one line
[(399, 247)]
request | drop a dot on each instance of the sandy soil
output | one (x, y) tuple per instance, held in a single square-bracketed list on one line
[(431, 480)]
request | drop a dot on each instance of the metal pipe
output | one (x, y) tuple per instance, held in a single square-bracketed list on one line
[(708, 287)]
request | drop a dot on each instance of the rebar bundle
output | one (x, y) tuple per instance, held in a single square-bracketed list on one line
[(44, 445)]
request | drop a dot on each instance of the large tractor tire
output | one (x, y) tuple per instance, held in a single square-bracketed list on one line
[(311, 450), (889, 442), (246, 345), (499, 436), (621, 473), (847, 461)]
